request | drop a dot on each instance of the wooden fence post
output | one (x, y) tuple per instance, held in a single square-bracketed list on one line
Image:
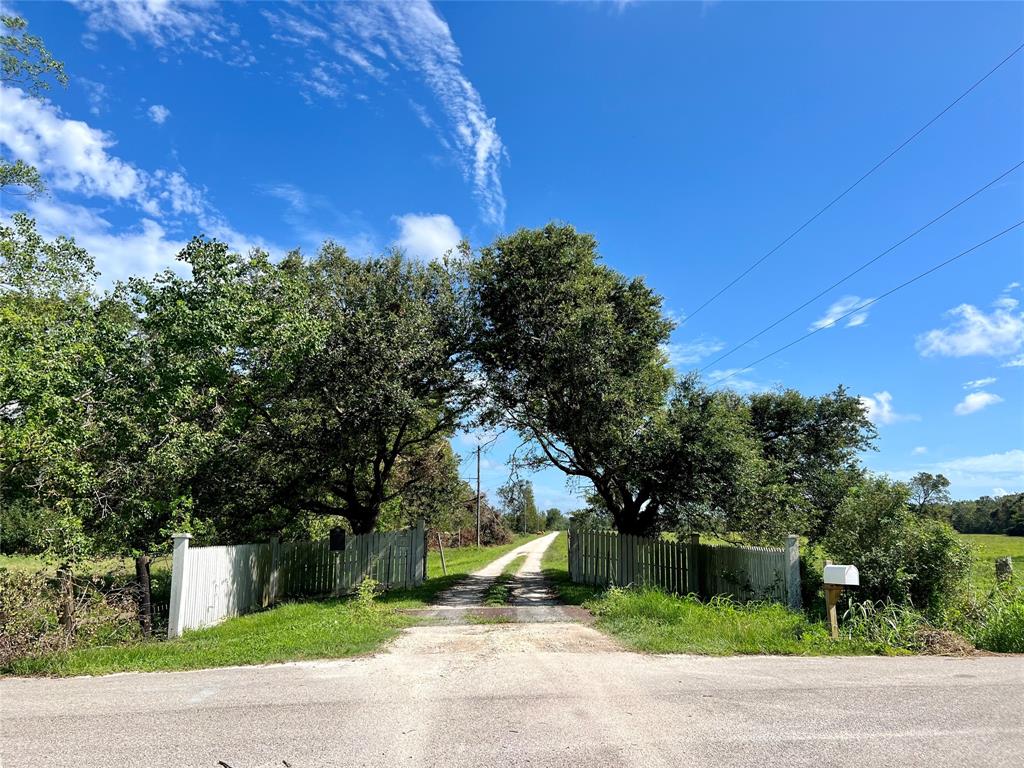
[(421, 541), (179, 574), (145, 595), (275, 570), (692, 582), (793, 572)]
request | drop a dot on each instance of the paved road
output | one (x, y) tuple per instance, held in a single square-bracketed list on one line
[(537, 694)]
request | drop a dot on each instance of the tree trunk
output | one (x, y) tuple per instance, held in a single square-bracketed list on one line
[(144, 595)]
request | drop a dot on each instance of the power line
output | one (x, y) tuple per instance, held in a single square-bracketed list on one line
[(862, 267), (850, 188), (864, 306)]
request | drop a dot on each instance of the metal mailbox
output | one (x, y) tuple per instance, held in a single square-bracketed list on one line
[(842, 575)]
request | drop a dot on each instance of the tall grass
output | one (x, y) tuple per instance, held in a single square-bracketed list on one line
[(653, 621)]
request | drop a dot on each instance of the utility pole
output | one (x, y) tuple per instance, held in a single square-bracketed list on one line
[(478, 495)]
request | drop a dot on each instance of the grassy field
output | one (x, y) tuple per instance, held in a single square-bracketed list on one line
[(98, 566), (290, 632), (989, 546)]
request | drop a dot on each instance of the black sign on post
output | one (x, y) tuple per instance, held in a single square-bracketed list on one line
[(337, 539)]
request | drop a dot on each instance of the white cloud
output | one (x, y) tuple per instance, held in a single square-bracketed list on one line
[(880, 411), (427, 235), (975, 401), (141, 249), (71, 154), (689, 352), (980, 383), (975, 332), (920, 450), (74, 157), (158, 113), (1017, 362), (997, 492), (842, 309)]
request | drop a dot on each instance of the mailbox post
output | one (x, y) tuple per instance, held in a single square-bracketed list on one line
[(837, 577)]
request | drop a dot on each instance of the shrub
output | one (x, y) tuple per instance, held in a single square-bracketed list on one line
[(999, 623), (901, 558), (884, 625), (30, 622)]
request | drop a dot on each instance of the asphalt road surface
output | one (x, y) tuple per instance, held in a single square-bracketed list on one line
[(536, 694)]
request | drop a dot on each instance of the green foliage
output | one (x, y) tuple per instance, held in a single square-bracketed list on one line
[(998, 623), (571, 353), (520, 508), (884, 625), (653, 621), (24, 60), (24, 63), (102, 612), (1004, 514), (554, 520), (810, 447), (901, 558), (929, 495)]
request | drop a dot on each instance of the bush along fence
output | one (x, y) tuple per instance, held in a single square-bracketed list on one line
[(603, 558), (209, 584)]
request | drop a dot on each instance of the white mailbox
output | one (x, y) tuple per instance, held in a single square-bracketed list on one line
[(842, 575)]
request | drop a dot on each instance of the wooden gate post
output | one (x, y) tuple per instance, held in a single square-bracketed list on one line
[(793, 572), (179, 574)]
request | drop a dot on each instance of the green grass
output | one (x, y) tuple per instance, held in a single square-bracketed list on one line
[(987, 547), (652, 621), (96, 567), (555, 566), (290, 632), (500, 591), (460, 561)]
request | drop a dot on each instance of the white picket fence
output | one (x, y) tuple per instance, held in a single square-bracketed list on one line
[(209, 584), (603, 558)]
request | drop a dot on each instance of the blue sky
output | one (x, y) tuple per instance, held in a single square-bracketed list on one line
[(689, 138)]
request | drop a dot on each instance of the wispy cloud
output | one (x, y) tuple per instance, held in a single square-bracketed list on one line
[(979, 383), (880, 410), (381, 41), (198, 25), (975, 402), (920, 450), (994, 470), (737, 380), (689, 352), (839, 310)]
